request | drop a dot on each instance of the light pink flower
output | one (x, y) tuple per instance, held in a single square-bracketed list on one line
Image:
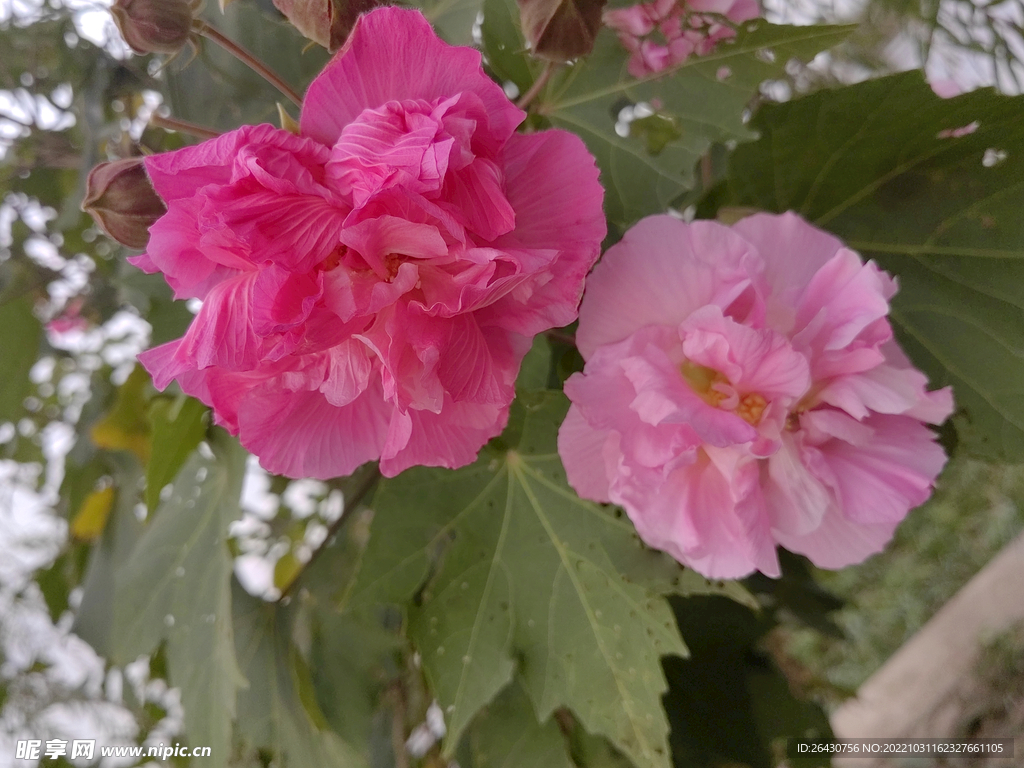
[(663, 33), (370, 288), (742, 389)]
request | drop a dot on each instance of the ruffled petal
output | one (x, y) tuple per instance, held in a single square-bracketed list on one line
[(551, 183), (183, 173), (222, 333), (880, 481), (793, 251), (795, 499), (450, 438), (392, 54), (838, 542), (752, 359), (658, 274), (583, 452), (176, 249), (300, 434)]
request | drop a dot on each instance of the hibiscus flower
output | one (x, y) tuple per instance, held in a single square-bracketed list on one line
[(369, 287), (743, 389)]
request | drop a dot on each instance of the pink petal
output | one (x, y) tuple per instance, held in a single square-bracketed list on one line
[(395, 145), (663, 397), (753, 360), (295, 231), (796, 500), (183, 173), (659, 273), (582, 449), (793, 251), (633, 20), (883, 480), (709, 515), (282, 300), (478, 365), (349, 368), (376, 239), (843, 299), (476, 194), (393, 54), (409, 345), (222, 333), (551, 182), (175, 248), (451, 438), (838, 542), (350, 294), (300, 434)]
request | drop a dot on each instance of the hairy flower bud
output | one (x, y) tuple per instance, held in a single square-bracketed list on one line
[(154, 26), (122, 201)]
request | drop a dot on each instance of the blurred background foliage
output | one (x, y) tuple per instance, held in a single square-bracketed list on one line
[(88, 448)]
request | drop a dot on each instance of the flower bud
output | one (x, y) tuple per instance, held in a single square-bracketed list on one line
[(122, 201), (154, 26)]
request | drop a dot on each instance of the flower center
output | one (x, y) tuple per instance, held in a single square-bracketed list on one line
[(392, 262), (702, 380), (716, 390), (335, 257)]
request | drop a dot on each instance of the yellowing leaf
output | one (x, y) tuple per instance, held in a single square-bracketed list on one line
[(125, 426), (91, 518), (286, 569)]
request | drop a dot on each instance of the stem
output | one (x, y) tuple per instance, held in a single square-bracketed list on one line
[(182, 126), (212, 33), (398, 727), (564, 338), (538, 86), (361, 487)]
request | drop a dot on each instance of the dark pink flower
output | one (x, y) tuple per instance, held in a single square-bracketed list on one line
[(742, 389), (370, 288), (663, 33)]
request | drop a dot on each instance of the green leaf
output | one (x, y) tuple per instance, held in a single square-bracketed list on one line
[(177, 587), (700, 101), (527, 577), (876, 164), (355, 658), (94, 619), (219, 91), (507, 735), (178, 427), (56, 586), (453, 19), (729, 703), (20, 334), (274, 711), (505, 46), (536, 368), (125, 426)]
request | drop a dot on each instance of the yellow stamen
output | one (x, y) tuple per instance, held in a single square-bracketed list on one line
[(751, 408), (335, 257), (704, 381), (392, 262), (701, 380)]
